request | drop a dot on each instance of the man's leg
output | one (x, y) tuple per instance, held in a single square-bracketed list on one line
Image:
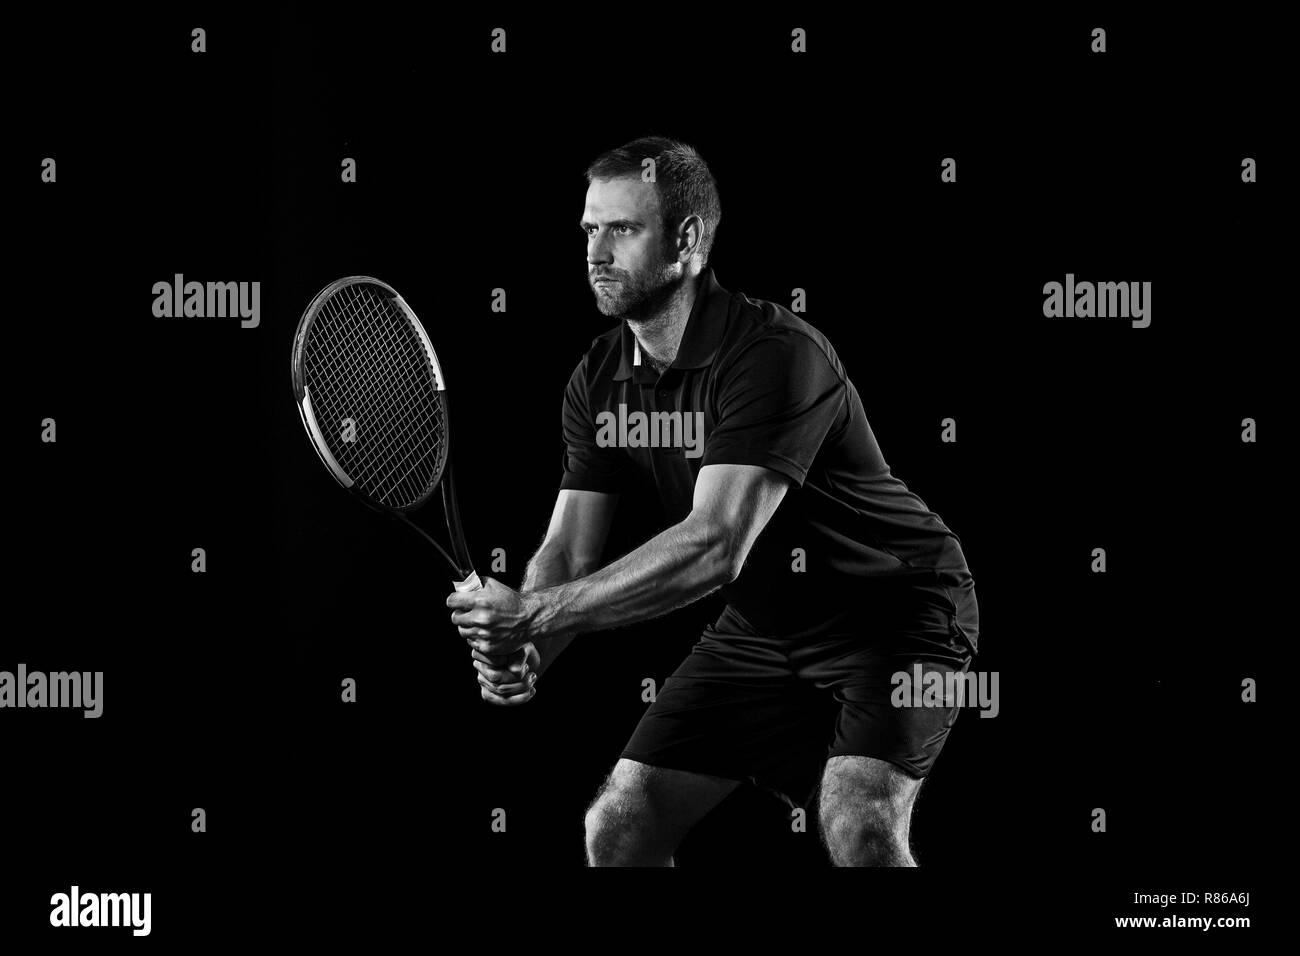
[(866, 812), (866, 802), (642, 813)]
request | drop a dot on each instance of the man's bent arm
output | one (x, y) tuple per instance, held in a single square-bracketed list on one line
[(676, 567)]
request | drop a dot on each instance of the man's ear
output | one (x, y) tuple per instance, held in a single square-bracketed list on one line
[(690, 234)]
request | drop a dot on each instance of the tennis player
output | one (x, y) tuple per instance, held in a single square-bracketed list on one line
[(836, 576)]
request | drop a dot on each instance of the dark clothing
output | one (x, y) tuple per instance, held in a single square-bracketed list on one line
[(852, 581), (772, 392), (770, 710)]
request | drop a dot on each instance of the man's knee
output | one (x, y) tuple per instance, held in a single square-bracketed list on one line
[(866, 811), (643, 812), (620, 823), (869, 832), (611, 819)]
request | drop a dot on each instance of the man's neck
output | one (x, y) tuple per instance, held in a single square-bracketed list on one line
[(661, 335)]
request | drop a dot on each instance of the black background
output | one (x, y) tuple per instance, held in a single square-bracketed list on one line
[(1119, 691)]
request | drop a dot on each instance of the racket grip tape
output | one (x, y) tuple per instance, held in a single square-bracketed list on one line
[(471, 583)]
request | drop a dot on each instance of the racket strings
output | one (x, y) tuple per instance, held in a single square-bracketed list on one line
[(418, 433), (362, 386), (366, 362), (371, 387), (401, 429), (394, 455), (424, 426)]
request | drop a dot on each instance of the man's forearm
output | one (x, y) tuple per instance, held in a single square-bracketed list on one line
[(672, 569), (551, 566)]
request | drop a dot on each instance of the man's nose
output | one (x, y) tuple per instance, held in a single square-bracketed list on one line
[(599, 251)]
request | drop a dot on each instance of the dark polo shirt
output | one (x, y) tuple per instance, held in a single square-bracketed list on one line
[(773, 393)]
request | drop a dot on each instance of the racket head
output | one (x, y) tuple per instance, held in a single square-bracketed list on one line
[(371, 393)]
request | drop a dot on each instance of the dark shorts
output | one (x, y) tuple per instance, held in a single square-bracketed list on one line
[(771, 709)]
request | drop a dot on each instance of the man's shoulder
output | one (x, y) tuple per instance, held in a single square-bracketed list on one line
[(777, 329)]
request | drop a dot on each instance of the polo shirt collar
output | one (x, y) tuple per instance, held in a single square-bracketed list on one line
[(703, 331)]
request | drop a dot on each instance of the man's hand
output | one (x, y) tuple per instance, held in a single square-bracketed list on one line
[(508, 680), (495, 619)]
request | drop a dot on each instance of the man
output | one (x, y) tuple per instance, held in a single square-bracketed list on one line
[(836, 576)]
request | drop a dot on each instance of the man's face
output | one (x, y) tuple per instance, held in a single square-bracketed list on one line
[(628, 265)]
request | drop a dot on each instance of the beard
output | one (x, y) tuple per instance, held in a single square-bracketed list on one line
[(636, 296)]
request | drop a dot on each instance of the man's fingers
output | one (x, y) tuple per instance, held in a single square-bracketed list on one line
[(489, 647), (514, 666), (498, 676), (506, 690), (508, 685), (494, 698), (491, 696), (499, 660), (476, 617)]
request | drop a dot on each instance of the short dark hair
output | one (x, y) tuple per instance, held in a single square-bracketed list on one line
[(682, 181)]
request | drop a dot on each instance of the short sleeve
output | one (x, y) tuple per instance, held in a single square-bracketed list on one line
[(587, 466), (775, 406)]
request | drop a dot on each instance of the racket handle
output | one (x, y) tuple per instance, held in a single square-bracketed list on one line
[(471, 583)]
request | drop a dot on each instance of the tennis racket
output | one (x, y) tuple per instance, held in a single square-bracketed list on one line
[(373, 400)]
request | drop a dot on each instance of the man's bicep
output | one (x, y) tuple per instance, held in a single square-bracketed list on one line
[(776, 404), (580, 525), (739, 500)]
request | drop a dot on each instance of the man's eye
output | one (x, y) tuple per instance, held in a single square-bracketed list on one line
[(625, 230)]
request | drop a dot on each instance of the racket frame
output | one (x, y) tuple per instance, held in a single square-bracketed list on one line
[(459, 559)]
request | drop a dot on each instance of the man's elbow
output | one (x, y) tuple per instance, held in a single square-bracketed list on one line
[(724, 552), (730, 570)]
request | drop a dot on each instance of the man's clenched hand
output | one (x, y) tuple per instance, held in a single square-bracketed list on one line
[(496, 619), (508, 680)]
